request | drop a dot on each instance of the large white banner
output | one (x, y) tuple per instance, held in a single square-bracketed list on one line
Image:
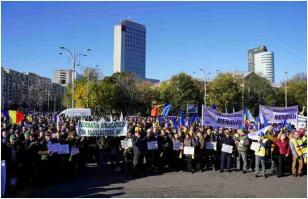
[(214, 118), (278, 114), (89, 128)]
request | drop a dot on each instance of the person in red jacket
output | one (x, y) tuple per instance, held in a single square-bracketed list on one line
[(283, 149)]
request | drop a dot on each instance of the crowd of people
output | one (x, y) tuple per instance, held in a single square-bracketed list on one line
[(24, 147)]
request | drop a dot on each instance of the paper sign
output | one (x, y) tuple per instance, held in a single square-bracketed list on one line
[(210, 145), (126, 143), (64, 149), (53, 147), (177, 146), (58, 148), (152, 145), (255, 146), (227, 148), (74, 151), (189, 150)]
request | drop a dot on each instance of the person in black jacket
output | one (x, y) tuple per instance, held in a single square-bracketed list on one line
[(227, 140), (138, 148)]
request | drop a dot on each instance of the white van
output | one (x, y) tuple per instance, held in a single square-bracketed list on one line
[(77, 112)]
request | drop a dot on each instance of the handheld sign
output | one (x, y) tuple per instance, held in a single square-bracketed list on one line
[(189, 150), (255, 146), (64, 149), (227, 148), (177, 146), (211, 145), (152, 145), (125, 144), (74, 151), (58, 148)]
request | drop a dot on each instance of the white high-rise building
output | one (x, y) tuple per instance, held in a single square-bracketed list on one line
[(264, 65), (129, 48)]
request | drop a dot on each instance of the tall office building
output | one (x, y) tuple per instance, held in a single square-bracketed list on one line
[(264, 65), (129, 48), (251, 54)]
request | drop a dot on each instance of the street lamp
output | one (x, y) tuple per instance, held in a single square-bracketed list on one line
[(286, 91), (74, 56), (203, 70)]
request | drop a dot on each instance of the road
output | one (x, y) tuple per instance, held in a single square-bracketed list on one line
[(174, 184)]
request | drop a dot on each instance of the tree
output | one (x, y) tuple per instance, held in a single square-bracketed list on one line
[(180, 90), (258, 90), (225, 92), (146, 95), (297, 91)]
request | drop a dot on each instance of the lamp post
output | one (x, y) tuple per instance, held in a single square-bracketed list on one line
[(203, 70), (74, 55), (286, 90)]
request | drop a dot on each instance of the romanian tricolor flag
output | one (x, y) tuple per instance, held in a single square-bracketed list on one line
[(15, 117)]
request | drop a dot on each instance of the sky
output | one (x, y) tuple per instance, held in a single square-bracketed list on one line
[(181, 36)]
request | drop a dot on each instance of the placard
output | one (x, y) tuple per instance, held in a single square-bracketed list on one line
[(74, 151), (53, 147), (255, 146), (227, 148), (152, 145), (64, 149), (58, 148), (189, 150), (177, 146), (125, 144), (211, 145)]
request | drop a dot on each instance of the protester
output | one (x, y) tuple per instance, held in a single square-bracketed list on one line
[(282, 143), (296, 145), (27, 148), (229, 141), (261, 155), (242, 143)]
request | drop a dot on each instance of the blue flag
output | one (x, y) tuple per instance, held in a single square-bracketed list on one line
[(175, 123), (182, 118), (166, 110), (192, 119), (160, 120), (6, 114), (258, 123), (213, 107), (54, 118)]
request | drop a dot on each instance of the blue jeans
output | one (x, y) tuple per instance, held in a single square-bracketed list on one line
[(258, 160)]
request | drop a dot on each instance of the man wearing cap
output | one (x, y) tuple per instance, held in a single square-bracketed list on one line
[(261, 154), (296, 145), (242, 144)]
